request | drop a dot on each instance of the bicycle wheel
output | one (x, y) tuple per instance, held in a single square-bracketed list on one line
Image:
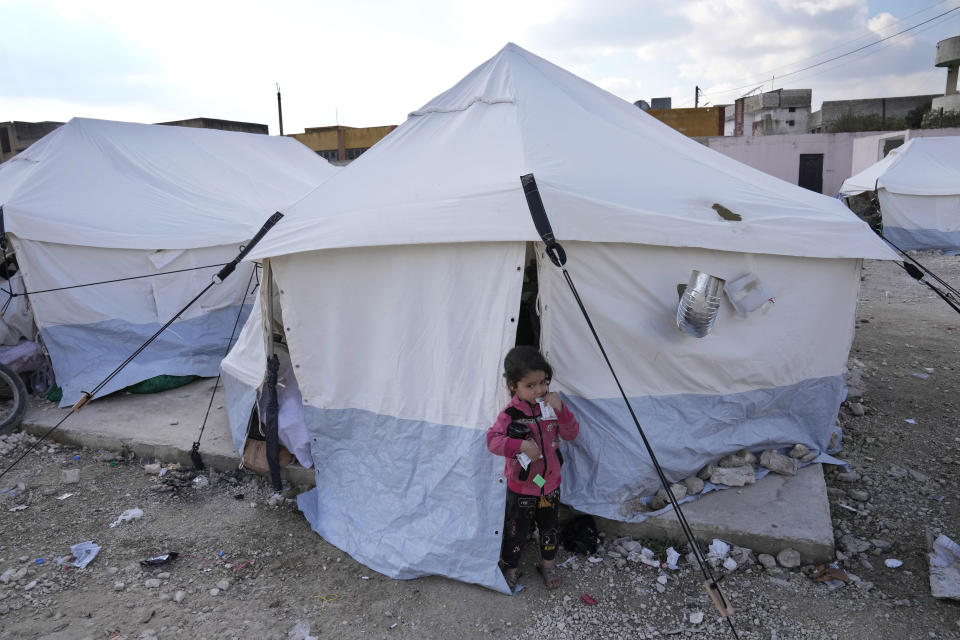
[(13, 399)]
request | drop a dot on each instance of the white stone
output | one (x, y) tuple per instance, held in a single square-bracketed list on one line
[(789, 558), (696, 617), (779, 463), (179, 596), (733, 476), (152, 583)]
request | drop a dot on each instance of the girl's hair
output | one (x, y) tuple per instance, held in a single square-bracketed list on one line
[(522, 360)]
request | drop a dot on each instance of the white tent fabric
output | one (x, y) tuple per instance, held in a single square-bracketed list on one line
[(97, 200), (399, 304), (918, 186)]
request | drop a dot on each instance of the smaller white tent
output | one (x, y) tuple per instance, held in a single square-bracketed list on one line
[(918, 186), (97, 200)]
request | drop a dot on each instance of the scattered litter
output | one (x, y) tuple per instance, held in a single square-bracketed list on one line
[(325, 599), (38, 561), (19, 507), (364, 577), (201, 482), (591, 559), (910, 421), (662, 579), (718, 549), (848, 507), (730, 564), (588, 599), (301, 631), (64, 496), (163, 472), (158, 560), (221, 553), (394, 625), (831, 575), (944, 568), (113, 463), (893, 563), (569, 560), (126, 516), (83, 553), (672, 558), (921, 376)]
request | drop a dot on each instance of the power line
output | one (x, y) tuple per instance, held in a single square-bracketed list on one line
[(761, 82)]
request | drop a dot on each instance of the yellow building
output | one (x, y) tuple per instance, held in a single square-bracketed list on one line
[(340, 144), (703, 121)]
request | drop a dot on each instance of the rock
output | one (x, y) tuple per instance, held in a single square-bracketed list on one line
[(810, 457), (214, 592), (742, 458), (153, 469), (778, 463), (152, 583), (848, 476), (919, 477), (834, 441), (789, 558), (858, 495), (7, 576), (69, 476), (696, 617), (857, 409), (706, 472), (852, 544), (679, 492), (767, 561), (164, 575), (223, 585), (694, 485), (896, 472), (742, 555), (733, 476), (799, 451), (882, 545), (119, 586), (658, 503), (30, 585), (179, 596)]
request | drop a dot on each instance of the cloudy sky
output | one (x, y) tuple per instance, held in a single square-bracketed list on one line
[(370, 62)]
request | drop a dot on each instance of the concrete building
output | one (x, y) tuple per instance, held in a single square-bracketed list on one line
[(17, 136), (886, 110), (817, 161), (948, 55), (223, 125), (340, 144), (783, 111)]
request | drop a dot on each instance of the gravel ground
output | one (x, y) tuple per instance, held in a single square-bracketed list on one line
[(250, 567)]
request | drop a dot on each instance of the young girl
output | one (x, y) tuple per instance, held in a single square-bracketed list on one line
[(534, 494)]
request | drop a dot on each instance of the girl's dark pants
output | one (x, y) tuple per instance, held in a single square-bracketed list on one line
[(521, 510)]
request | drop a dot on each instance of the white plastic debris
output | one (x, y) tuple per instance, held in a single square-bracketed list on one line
[(696, 617), (730, 564), (83, 553), (910, 421), (893, 563), (718, 549), (201, 482), (672, 558), (64, 496), (126, 516), (945, 568), (19, 507), (300, 631), (648, 558), (594, 559)]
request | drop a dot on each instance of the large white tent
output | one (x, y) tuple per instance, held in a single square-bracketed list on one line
[(399, 303), (98, 200), (918, 186)]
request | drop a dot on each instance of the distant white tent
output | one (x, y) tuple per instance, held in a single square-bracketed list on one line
[(97, 200), (918, 186), (399, 303)]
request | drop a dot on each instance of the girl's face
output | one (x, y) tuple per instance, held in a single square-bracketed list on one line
[(532, 386)]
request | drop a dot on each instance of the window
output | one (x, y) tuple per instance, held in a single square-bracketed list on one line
[(331, 155), (353, 154), (791, 122), (4, 140), (792, 109)]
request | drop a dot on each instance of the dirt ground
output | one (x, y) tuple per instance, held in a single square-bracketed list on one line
[(252, 569)]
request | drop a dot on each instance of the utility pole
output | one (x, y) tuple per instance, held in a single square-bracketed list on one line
[(696, 96), (279, 108)]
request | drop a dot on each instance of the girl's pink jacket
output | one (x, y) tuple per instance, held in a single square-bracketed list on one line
[(547, 435)]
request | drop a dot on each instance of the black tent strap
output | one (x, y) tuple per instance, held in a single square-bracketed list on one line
[(92, 284), (558, 257)]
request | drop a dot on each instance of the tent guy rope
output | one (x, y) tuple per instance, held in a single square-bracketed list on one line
[(221, 275), (559, 258)]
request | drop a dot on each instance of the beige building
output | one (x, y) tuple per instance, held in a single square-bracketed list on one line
[(340, 144)]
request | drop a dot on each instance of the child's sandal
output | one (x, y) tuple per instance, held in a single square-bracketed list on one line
[(551, 577)]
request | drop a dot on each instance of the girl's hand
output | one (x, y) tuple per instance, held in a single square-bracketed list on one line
[(530, 448), (553, 399)]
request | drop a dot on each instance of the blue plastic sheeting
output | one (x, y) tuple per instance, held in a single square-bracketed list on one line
[(83, 355), (608, 465), (924, 239), (407, 498)]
